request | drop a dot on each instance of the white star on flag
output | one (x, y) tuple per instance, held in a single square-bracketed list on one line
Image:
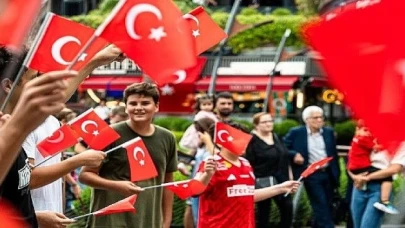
[(95, 133), (196, 33), (157, 33), (167, 90), (82, 57), (230, 139), (142, 162)]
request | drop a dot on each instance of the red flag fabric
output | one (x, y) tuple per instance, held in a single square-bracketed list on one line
[(94, 130), (125, 205), (231, 138), (10, 217), (140, 162), (367, 67), (59, 44), (16, 20), (186, 190), (149, 32), (204, 30), (315, 166), (177, 94), (59, 141)]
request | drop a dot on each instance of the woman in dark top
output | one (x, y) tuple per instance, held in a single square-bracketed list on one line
[(269, 160)]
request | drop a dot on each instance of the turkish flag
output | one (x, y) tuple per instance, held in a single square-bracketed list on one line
[(188, 189), (367, 67), (177, 91), (204, 30), (16, 19), (231, 138), (94, 130), (315, 166), (59, 44), (10, 217), (140, 162), (125, 205), (59, 141), (149, 32)]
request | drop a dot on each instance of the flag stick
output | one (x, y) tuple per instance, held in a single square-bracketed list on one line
[(167, 184), (113, 149), (26, 59), (288, 193), (82, 216), (277, 58), (47, 159), (218, 59), (83, 50)]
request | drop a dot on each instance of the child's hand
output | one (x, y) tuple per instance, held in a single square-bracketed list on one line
[(210, 166)]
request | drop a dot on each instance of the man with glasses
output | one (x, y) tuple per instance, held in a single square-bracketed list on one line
[(310, 143)]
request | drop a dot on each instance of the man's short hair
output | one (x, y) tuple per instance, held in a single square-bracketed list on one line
[(309, 110), (11, 59), (145, 89), (225, 95), (119, 110)]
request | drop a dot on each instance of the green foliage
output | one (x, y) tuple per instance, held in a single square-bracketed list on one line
[(267, 34), (248, 11), (107, 5), (178, 135), (246, 123), (91, 20), (82, 207), (281, 12), (281, 129), (345, 132), (307, 7), (173, 123), (185, 6)]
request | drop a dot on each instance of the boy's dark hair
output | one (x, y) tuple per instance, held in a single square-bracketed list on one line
[(211, 130), (10, 60), (145, 89), (226, 95)]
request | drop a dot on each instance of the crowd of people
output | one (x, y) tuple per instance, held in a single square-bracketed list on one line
[(234, 184)]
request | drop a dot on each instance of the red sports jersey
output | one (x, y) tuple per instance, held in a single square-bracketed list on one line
[(228, 200)]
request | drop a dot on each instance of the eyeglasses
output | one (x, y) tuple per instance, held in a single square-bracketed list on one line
[(266, 121)]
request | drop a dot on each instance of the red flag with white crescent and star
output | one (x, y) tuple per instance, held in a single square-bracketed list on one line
[(124, 205), (59, 44), (205, 31), (94, 130), (140, 163), (149, 32), (231, 138), (59, 141)]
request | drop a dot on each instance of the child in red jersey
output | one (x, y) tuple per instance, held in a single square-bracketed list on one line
[(229, 198), (359, 161)]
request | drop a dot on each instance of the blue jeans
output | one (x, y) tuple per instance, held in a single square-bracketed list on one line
[(364, 214)]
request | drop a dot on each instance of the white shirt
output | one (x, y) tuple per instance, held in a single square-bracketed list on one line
[(382, 160), (48, 197), (102, 111), (316, 146)]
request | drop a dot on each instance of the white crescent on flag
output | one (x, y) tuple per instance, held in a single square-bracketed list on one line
[(89, 122), (57, 46), (135, 154), (181, 76), (133, 13), (220, 133), (58, 139), (192, 17)]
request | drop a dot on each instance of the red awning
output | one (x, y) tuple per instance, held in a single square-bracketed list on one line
[(246, 83), (95, 82), (109, 83)]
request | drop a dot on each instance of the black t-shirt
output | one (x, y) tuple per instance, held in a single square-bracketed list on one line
[(15, 189)]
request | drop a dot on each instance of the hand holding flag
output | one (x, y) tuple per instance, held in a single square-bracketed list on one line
[(313, 168)]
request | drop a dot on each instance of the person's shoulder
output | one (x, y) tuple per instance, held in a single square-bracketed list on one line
[(328, 129), (120, 125), (297, 129), (163, 131)]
